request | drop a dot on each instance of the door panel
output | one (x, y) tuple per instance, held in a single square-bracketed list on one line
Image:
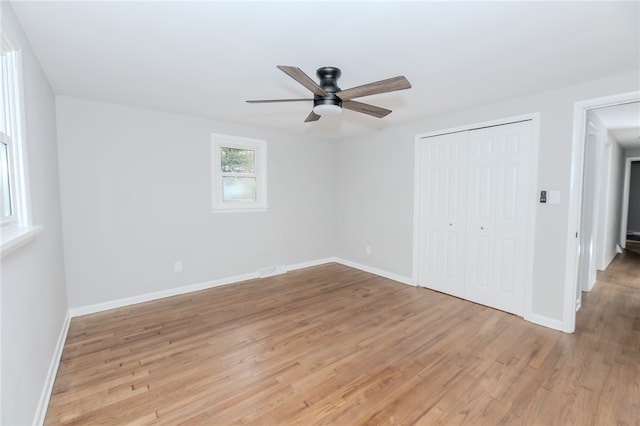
[(506, 258), (443, 217), (498, 157), (481, 261)]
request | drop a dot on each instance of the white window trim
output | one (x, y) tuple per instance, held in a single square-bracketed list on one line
[(260, 147), (8, 141), (19, 230)]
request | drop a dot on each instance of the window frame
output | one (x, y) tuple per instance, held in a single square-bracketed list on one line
[(259, 146), (18, 229), (13, 217)]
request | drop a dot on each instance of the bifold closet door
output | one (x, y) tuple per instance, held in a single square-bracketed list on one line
[(497, 215), (443, 213), (473, 214)]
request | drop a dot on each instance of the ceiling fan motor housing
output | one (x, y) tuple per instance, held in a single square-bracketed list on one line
[(329, 82)]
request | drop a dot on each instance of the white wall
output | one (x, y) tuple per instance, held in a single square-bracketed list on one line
[(632, 153), (633, 219), (375, 195), (33, 283), (136, 196)]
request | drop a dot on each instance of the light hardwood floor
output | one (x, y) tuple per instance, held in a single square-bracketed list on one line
[(334, 345)]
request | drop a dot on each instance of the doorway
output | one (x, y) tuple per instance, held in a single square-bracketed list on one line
[(630, 229), (596, 196)]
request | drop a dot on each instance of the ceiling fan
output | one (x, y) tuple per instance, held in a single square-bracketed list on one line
[(329, 99)]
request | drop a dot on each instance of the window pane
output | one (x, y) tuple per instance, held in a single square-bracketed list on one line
[(237, 160), (4, 92), (5, 192), (238, 188)]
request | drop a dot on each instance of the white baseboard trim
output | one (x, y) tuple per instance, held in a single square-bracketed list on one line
[(376, 271), (119, 303), (45, 395), (127, 301), (545, 321), (608, 262), (311, 263)]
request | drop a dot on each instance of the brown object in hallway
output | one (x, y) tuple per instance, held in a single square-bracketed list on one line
[(633, 245), (334, 345)]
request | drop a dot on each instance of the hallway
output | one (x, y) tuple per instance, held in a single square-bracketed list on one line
[(610, 321)]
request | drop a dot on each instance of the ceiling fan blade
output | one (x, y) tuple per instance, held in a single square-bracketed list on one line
[(264, 101), (298, 75), (366, 108), (312, 117), (382, 86)]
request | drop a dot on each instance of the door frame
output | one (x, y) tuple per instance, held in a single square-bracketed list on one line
[(531, 207), (580, 110), (624, 222), (594, 172)]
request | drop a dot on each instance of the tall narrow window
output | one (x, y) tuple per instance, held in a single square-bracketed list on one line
[(15, 215), (7, 194), (239, 174), (12, 190)]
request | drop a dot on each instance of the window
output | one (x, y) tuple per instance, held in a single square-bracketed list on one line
[(15, 215), (9, 130), (7, 205), (239, 173)]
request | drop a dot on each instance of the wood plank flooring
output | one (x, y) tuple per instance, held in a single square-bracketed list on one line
[(334, 345)]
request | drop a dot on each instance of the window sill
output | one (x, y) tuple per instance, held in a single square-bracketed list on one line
[(14, 237), (240, 210)]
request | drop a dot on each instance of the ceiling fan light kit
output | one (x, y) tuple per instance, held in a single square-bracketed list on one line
[(327, 109), (329, 99)]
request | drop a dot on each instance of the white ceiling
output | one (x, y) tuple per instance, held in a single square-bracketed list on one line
[(206, 58), (623, 121)]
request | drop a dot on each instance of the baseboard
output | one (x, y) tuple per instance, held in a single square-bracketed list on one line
[(43, 403), (376, 271), (545, 321), (127, 301), (608, 262), (311, 263)]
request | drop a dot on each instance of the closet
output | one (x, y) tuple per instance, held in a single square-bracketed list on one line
[(475, 201)]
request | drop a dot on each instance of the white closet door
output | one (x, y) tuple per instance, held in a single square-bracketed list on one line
[(443, 213), (498, 184)]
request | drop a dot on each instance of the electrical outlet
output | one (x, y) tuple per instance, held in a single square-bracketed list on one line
[(177, 266), (367, 249)]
